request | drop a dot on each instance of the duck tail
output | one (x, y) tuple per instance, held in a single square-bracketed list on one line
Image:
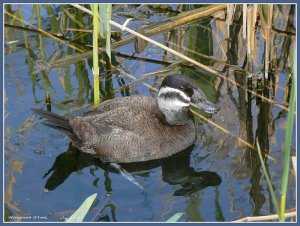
[(57, 122)]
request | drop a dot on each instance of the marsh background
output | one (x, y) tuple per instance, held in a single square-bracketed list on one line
[(44, 178)]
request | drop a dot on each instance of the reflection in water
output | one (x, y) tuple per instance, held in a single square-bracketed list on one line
[(251, 159), (107, 214), (176, 170), (218, 212), (248, 121)]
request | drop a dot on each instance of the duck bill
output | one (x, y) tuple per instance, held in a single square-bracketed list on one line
[(200, 100), (207, 107)]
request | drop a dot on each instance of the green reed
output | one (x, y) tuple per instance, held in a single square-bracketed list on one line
[(101, 29), (95, 12), (287, 142), (268, 179), (281, 209)]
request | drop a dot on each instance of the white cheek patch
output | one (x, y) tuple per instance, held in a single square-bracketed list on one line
[(167, 89), (172, 104)]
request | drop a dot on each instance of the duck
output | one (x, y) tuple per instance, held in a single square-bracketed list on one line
[(136, 128)]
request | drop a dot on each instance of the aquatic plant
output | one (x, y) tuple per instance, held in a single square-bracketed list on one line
[(101, 14), (175, 217), (95, 53), (288, 140), (81, 212)]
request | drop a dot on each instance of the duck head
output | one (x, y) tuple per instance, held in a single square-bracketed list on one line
[(175, 97)]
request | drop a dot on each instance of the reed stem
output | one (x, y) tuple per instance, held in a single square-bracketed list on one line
[(268, 178), (95, 12), (287, 144)]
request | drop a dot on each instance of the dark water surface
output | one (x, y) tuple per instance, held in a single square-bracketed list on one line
[(217, 179)]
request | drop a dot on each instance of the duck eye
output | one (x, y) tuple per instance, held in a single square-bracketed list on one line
[(189, 91)]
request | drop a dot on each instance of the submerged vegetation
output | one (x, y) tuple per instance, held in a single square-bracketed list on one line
[(241, 55)]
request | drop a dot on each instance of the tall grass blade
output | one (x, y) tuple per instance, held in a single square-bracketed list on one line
[(105, 31), (81, 212), (175, 217), (273, 195), (288, 142), (95, 12)]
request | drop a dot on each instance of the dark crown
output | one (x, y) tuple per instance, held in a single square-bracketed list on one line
[(178, 82)]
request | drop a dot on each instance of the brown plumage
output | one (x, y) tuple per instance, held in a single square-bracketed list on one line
[(127, 129)]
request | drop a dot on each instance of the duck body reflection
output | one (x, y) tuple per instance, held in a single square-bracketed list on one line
[(176, 170)]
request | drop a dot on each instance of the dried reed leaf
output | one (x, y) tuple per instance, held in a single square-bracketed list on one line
[(140, 44), (271, 217), (294, 162), (251, 21), (230, 13), (244, 21), (266, 16)]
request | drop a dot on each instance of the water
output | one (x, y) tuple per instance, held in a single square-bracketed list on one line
[(218, 179)]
